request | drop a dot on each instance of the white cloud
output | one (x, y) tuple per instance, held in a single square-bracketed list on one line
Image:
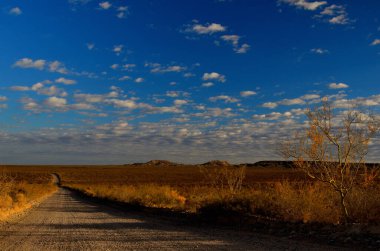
[(341, 19), (89, 98), (139, 80), (29, 63), (16, 11), (295, 101), (310, 96), (224, 98), (157, 68), (56, 102), (180, 102), (41, 64), (319, 51), (118, 49), (105, 5), (90, 46), (65, 81), (208, 84), (234, 40), (114, 66), (304, 4), (247, 93), (124, 78), (207, 29), (242, 49), (338, 85), (57, 66), (375, 42), (122, 12), (214, 76), (37, 86), (82, 106), (336, 14), (270, 116), (128, 67), (270, 105), (128, 103), (19, 88)]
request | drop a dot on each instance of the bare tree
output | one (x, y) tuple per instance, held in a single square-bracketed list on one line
[(225, 177), (333, 149)]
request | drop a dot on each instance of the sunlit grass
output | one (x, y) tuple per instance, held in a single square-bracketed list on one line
[(17, 195)]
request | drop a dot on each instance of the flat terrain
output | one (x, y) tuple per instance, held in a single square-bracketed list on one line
[(66, 221)]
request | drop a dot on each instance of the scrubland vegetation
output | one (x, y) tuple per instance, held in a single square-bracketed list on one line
[(18, 191), (269, 190), (295, 201)]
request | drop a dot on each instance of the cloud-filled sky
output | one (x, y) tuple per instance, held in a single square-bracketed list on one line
[(98, 82)]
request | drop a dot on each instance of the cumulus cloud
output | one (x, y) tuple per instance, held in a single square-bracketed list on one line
[(41, 64), (19, 88), (139, 80), (206, 29), (310, 96), (105, 5), (180, 102), (57, 66), (90, 46), (338, 86), (247, 93), (30, 63), (55, 102), (375, 42), (214, 76), (225, 98), (118, 49), (124, 78), (304, 4), (270, 105), (128, 67), (16, 11), (319, 51), (114, 66), (122, 12), (270, 116), (65, 81), (295, 101), (208, 84), (335, 14), (158, 68), (234, 40)]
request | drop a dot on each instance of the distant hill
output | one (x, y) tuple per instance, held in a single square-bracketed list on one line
[(217, 163), (270, 163), (158, 163)]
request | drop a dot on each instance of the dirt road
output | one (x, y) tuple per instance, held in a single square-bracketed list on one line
[(67, 222)]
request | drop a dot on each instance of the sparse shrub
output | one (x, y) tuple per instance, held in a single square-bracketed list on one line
[(148, 195), (18, 195), (225, 177)]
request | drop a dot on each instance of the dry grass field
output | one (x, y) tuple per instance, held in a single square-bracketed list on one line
[(269, 190), (20, 189)]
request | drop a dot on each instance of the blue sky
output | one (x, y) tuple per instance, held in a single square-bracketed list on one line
[(97, 82)]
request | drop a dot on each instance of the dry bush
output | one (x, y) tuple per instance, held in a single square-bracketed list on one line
[(225, 177), (286, 201), (17, 195), (148, 195), (333, 149)]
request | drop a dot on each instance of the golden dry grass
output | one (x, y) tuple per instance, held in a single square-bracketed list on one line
[(21, 191), (276, 192)]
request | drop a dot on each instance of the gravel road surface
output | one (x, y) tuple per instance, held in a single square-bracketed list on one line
[(66, 221)]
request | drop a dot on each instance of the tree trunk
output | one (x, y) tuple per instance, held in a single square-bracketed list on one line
[(344, 207)]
